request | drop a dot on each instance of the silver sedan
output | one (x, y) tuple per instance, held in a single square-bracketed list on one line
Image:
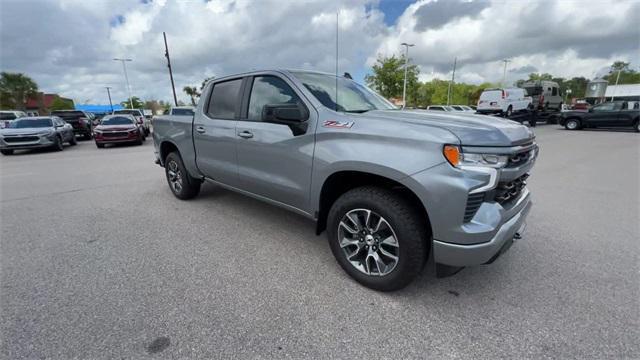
[(36, 132)]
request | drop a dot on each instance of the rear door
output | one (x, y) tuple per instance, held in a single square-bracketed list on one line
[(214, 131), (272, 161), (628, 114)]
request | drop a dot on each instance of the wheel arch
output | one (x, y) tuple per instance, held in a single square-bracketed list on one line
[(166, 148), (342, 181)]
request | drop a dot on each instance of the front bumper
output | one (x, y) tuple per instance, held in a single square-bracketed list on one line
[(482, 253), (42, 141)]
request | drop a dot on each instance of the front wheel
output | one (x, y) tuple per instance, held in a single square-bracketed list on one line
[(58, 145), (73, 140), (509, 112), (182, 185), (378, 237), (572, 124)]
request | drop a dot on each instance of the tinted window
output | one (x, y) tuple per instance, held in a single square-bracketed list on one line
[(30, 123), (68, 114), (604, 107), (224, 100), (438, 108), (7, 116), (269, 90), (117, 120), (554, 92), (183, 111), (130, 112)]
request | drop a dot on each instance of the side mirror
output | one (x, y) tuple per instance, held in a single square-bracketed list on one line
[(293, 115)]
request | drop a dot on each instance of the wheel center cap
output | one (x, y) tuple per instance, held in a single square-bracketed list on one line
[(369, 239)]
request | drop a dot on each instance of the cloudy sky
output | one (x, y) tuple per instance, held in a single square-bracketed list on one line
[(67, 46)]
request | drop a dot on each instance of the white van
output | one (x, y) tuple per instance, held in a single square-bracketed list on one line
[(503, 101)]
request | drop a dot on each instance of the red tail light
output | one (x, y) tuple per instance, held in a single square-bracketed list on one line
[(541, 99), (503, 94)]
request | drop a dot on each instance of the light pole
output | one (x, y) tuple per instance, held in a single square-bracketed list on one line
[(617, 79), (126, 77), (504, 72), (109, 93), (406, 66)]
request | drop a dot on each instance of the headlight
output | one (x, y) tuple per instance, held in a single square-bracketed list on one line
[(459, 159)]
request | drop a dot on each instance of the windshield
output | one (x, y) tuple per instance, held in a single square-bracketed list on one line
[(183, 111), (117, 120), (130, 112), (30, 123), (351, 96)]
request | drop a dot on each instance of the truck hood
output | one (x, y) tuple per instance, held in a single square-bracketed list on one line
[(471, 129), (25, 131)]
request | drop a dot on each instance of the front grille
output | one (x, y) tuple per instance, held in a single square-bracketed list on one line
[(520, 158), (16, 139), (508, 191), (115, 134), (473, 204)]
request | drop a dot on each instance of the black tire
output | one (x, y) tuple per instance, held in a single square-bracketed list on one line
[(637, 126), (58, 145), (408, 226), (189, 186), (73, 140), (6, 152), (87, 136), (99, 146), (509, 112), (572, 124)]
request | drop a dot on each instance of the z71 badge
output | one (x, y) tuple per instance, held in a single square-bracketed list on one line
[(338, 124)]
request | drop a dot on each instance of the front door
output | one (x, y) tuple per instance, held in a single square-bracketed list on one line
[(214, 133), (272, 161), (605, 114)]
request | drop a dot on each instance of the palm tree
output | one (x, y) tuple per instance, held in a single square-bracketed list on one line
[(15, 88), (192, 91)]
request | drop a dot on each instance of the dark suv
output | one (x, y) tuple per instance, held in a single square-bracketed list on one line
[(609, 114), (79, 120)]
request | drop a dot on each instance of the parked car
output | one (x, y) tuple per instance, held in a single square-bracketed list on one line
[(6, 116), (139, 117), (182, 110), (440, 108), (503, 101), (608, 114), (79, 120), (388, 185), (116, 129), (36, 132), (464, 108), (32, 113), (545, 95)]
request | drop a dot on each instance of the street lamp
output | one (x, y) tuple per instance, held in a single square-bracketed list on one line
[(504, 72), (109, 93), (406, 66), (124, 67)]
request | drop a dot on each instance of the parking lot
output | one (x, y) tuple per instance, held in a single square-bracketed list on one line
[(100, 260)]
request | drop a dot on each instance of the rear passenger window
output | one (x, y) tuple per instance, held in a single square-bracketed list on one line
[(223, 102), (554, 92), (269, 90)]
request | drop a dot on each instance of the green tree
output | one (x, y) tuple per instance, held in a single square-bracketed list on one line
[(627, 74), (15, 88), (193, 93), (388, 78), (61, 104), (137, 103)]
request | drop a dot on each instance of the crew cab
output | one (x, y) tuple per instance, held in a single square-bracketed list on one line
[(79, 120), (608, 114), (389, 186)]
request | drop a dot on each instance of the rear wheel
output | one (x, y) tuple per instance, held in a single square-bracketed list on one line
[(378, 237), (73, 140), (87, 136), (572, 124), (637, 127), (6, 152), (509, 112), (182, 185)]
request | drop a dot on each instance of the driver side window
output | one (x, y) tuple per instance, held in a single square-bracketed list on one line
[(603, 107), (269, 90)]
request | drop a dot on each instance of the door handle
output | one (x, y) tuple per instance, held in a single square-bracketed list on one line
[(200, 129), (245, 134)]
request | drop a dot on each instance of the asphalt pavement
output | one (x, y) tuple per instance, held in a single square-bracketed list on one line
[(99, 260)]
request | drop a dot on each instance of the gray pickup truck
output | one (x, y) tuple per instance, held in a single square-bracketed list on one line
[(390, 186)]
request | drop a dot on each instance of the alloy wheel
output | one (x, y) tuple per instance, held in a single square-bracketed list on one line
[(572, 124), (175, 176), (368, 242)]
